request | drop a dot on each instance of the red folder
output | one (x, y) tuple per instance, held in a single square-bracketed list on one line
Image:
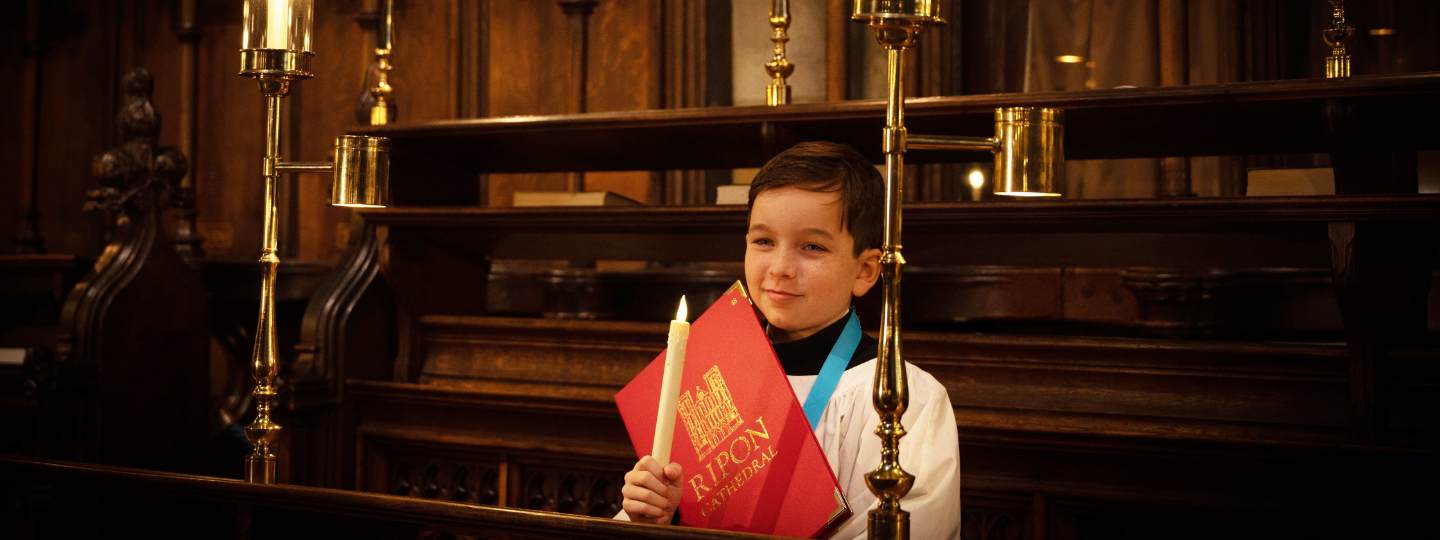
[(751, 462)]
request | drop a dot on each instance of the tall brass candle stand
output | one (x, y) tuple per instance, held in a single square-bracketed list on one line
[(777, 92), (1337, 62), (275, 51), (1029, 157), (383, 110)]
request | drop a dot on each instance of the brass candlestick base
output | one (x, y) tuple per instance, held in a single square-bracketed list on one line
[(361, 178)]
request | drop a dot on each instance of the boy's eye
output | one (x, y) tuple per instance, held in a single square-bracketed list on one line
[(815, 247), (761, 241)]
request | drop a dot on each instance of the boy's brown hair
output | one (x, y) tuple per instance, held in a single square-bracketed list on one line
[(830, 167)]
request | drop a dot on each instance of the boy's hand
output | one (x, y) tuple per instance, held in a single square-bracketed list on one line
[(651, 494)]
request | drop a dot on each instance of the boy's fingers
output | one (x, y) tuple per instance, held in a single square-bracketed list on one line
[(673, 473), (650, 465), (651, 491), (639, 511), (649, 498), (674, 494), (645, 480)]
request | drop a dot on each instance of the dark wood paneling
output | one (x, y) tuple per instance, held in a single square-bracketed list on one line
[(78, 76), (528, 74), (228, 193), (17, 114)]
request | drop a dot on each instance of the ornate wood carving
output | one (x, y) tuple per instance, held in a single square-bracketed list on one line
[(470, 482), (985, 525), (569, 491), (137, 321), (1175, 300), (459, 462)]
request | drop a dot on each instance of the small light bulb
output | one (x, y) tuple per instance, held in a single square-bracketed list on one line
[(976, 178)]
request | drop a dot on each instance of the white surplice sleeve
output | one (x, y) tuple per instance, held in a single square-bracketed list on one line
[(930, 450)]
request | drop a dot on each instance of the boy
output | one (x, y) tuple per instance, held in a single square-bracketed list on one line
[(813, 245)]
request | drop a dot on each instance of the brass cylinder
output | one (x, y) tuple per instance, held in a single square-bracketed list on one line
[(362, 172), (1031, 157), (276, 63), (899, 11)]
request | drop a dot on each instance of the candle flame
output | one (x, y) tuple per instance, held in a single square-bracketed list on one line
[(682, 311)]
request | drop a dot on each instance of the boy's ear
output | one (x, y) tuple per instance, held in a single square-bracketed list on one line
[(869, 272)]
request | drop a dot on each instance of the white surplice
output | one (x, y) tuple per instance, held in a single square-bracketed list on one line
[(930, 450)]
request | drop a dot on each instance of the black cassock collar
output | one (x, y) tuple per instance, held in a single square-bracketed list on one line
[(804, 356)]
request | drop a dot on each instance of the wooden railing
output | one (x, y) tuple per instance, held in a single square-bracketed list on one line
[(55, 499)]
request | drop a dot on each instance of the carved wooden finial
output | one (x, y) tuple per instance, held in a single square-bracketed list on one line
[(136, 176)]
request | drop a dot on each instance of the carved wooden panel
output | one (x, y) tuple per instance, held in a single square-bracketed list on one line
[(417, 468), (994, 516), (407, 461), (545, 448), (428, 478), (569, 488)]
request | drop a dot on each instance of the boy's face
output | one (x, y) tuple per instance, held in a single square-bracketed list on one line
[(800, 263)]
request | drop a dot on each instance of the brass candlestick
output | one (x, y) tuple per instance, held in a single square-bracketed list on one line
[(382, 111), (275, 51), (1337, 63), (1028, 147), (779, 67)]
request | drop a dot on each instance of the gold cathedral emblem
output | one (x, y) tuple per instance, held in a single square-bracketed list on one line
[(709, 416)]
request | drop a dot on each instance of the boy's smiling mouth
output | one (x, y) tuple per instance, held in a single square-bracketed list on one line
[(780, 296)]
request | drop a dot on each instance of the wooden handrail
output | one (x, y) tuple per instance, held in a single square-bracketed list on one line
[(332, 502)]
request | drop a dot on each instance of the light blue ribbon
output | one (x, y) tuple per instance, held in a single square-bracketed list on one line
[(830, 372)]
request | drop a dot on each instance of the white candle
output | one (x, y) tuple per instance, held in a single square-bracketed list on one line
[(277, 24), (670, 386)]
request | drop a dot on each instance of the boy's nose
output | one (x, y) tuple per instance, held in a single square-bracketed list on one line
[(783, 265)]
